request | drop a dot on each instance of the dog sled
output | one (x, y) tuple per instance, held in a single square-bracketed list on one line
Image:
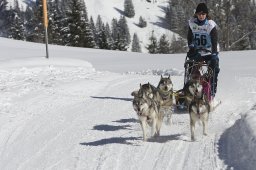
[(196, 69)]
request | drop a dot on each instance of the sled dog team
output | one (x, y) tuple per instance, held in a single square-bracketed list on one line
[(153, 103)]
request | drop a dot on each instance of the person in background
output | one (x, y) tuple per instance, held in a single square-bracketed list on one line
[(203, 37)]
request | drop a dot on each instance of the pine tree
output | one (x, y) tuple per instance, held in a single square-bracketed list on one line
[(55, 23), (100, 35), (164, 45), (135, 44), (3, 13), (78, 25), (109, 37), (178, 45), (75, 23), (142, 22), (88, 35), (152, 47), (129, 8), (103, 41), (16, 30), (123, 30), (114, 29), (120, 44), (28, 22), (171, 16), (89, 41), (94, 32), (34, 22)]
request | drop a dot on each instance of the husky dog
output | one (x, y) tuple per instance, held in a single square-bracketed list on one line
[(165, 88), (199, 111), (148, 113), (150, 91), (192, 89)]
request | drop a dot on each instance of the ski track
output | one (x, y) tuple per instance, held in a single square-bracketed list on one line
[(107, 148)]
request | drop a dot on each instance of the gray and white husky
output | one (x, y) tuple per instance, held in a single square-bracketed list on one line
[(165, 88), (148, 114), (199, 110), (150, 91)]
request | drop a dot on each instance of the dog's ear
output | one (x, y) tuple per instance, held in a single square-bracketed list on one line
[(134, 93), (140, 85), (169, 77), (161, 76)]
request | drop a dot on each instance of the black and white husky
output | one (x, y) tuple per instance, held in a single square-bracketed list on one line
[(199, 110), (192, 89), (148, 114)]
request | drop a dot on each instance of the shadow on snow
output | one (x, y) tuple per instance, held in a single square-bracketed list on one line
[(130, 140), (114, 140), (110, 127), (131, 120), (112, 98), (120, 11)]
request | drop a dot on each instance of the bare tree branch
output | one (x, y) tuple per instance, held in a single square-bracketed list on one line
[(242, 38)]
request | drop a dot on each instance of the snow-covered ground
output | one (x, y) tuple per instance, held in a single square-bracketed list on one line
[(74, 111)]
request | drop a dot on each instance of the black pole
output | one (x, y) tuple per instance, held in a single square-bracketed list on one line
[(46, 43)]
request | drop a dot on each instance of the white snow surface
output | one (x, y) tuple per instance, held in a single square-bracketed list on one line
[(74, 111), (153, 13)]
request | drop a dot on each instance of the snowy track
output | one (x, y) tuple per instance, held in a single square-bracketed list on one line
[(76, 118), (63, 114)]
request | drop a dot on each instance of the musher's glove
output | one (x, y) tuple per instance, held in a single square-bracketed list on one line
[(190, 46), (191, 53), (215, 56)]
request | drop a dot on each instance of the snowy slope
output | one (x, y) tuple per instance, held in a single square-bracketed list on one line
[(153, 13), (74, 111)]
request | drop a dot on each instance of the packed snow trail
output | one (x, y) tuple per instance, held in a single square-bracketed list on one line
[(172, 150), (62, 113), (70, 118)]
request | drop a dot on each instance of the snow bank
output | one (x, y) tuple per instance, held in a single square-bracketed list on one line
[(238, 143), (42, 61)]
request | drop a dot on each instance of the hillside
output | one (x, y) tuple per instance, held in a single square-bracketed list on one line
[(152, 12)]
